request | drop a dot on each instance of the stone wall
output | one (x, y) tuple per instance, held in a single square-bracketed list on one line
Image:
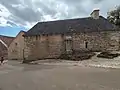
[(97, 41), (52, 46), (39, 47), (4, 46), (3, 51), (15, 50), (55, 45)]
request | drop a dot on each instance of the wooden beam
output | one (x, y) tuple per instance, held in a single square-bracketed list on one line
[(4, 43)]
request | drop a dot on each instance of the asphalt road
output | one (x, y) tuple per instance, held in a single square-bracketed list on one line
[(15, 76)]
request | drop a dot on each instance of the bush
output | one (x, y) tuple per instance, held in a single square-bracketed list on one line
[(84, 55), (65, 56), (77, 56), (27, 61), (108, 55)]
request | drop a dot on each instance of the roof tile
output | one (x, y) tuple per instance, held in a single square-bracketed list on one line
[(87, 24)]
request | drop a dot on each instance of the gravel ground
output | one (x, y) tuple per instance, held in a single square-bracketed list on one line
[(50, 77), (93, 62)]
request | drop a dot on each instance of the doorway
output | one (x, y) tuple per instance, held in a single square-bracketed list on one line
[(86, 45), (68, 45)]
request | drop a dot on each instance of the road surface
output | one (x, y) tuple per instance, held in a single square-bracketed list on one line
[(15, 76)]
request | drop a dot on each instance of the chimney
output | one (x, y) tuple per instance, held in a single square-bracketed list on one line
[(95, 14)]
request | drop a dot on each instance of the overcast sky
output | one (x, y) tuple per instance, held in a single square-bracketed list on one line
[(16, 15)]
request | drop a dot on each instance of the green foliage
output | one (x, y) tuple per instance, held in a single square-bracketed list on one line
[(114, 16), (77, 55), (108, 55)]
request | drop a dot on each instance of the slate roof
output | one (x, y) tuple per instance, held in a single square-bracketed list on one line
[(20, 32), (6, 39), (87, 24), (2, 47)]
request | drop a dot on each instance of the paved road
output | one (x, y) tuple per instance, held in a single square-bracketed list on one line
[(15, 76)]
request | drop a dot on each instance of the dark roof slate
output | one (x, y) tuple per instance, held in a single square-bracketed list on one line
[(6, 39), (87, 24)]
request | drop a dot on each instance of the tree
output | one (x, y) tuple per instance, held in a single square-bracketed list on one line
[(114, 16)]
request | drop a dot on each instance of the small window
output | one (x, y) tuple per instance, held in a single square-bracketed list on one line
[(36, 37), (16, 44), (86, 44), (47, 35)]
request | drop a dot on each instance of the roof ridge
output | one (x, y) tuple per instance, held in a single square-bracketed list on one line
[(62, 26), (68, 19), (7, 36), (62, 20)]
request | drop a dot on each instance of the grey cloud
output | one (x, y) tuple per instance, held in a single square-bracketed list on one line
[(46, 8), (75, 7), (22, 15), (29, 12), (10, 1), (28, 2), (97, 1), (72, 2), (11, 23), (16, 20)]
